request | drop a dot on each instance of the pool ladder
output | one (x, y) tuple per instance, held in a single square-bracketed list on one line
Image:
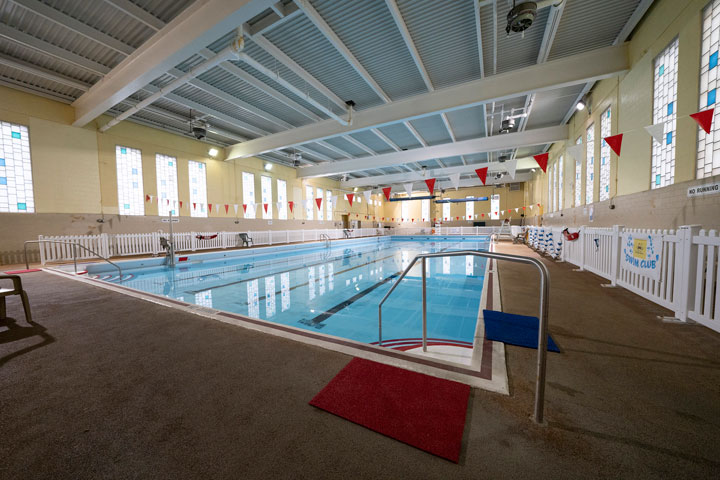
[(542, 331), (74, 252), (327, 239)]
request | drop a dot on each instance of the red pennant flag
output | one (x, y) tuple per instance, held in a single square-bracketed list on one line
[(542, 160), (147, 198), (393, 219), (244, 207), (412, 220), (226, 208), (496, 213), (387, 191), (523, 208), (350, 197), (704, 119), (167, 201), (210, 207), (265, 207), (194, 206), (482, 215), (291, 205), (615, 143), (482, 174), (319, 202), (457, 218), (430, 182), (180, 203)]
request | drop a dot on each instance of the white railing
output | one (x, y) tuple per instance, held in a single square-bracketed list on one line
[(689, 282)]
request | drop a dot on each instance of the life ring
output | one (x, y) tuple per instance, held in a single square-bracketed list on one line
[(206, 237), (570, 236)]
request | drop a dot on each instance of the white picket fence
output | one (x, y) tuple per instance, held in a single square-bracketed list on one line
[(689, 283)]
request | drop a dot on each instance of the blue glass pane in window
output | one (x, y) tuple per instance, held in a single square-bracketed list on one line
[(194, 191), (661, 70), (162, 182), (602, 162), (135, 184), (202, 165), (127, 206), (17, 135), (608, 113), (591, 176), (713, 60), (164, 195), (123, 150), (3, 180), (711, 96), (657, 179), (668, 138), (170, 164), (670, 108), (2, 162), (22, 206), (172, 212)]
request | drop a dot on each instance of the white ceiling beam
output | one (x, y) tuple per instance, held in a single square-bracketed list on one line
[(385, 139), (523, 164), (571, 70), (47, 48), (359, 145), (405, 33), (448, 185), (139, 14), (332, 37), (528, 138), (416, 134), (24, 87), (271, 21), (49, 13), (42, 72), (193, 29)]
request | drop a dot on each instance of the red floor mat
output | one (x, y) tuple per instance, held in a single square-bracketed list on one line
[(15, 272), (422, 411)]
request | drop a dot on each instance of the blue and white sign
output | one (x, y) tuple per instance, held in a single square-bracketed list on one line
[(641, 254)]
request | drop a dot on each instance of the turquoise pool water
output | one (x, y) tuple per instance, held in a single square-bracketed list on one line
[(332, 290)]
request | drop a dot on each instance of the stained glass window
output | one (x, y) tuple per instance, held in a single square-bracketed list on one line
[(605, 129), (662, 171), (16, 187), (131, 199), (282, 199), (197, 173), (167, 187), (248, 180), (578, 177), (266, 187), (708, 158), (589, 163)]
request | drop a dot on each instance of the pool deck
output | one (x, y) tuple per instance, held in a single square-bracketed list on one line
[(109, 386)]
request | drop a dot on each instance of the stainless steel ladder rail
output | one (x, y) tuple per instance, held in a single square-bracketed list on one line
[(543, 313), (327, 239), (74, 250)]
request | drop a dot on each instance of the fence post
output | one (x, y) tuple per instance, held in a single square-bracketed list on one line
[(105, 245), (193, 241), (615, 254), (685, 269), (42, 250), (269, 237), (581, 268)]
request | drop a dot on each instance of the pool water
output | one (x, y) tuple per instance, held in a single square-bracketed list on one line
[(334, 290)]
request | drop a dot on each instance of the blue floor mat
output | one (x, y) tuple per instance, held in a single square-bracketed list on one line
[(514, 329)]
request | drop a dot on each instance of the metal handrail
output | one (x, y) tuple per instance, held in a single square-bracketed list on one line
[(74, 244), (327, 239), (543, 316)]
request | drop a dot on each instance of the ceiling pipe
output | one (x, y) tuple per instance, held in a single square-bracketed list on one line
[(232, 50)]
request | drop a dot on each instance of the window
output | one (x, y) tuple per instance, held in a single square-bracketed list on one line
[(469, 209), (329, 204), (131, 199), (248, 180), (708, 158), (266, 187), (166, 170), (405, 210), (309, 202), (550, 189), (662, 171), (16, 188), (495, 207), (320, 194), (555, 186), (589, 163), (560, 183), (282, 199), (446, 211), (578, 177), (198, 189), (426, 210), (605, 124)]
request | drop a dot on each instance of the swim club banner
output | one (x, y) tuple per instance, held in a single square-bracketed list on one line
[(641, 254)]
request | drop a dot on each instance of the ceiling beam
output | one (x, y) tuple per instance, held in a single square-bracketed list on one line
[(523, 164), (42, 72), (447, 184), (528, 138), (139, 14), (405, 33), (572, 70), (189, 32)]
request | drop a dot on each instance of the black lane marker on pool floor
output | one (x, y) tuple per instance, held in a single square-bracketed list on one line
[(325, 315)]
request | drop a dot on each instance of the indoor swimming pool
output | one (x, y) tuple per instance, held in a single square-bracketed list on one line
[(331, 289)]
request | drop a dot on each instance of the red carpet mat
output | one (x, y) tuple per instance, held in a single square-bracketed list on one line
[(425, 412), (15, 272)]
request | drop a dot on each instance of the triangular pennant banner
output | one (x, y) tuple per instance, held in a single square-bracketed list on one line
[(235, 205), (542, 160), (180, 203), (227, 207), (455, 180), (244, 207), (194, 206), (210, 207), (291, 205), (516, 209), (350, 197), (575, 151), (318, 201), (367, 194), (265, 205), (387, 191), (408, 188), (656, 131), (704, 119), (615, 142), (430, 182), (279, 205), (147, 198), (511, 166), (482, 174), (167, 201)]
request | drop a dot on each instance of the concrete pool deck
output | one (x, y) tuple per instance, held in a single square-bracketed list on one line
[(108, 386)]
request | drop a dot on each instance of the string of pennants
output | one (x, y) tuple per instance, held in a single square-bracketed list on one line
[(498, 213)]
